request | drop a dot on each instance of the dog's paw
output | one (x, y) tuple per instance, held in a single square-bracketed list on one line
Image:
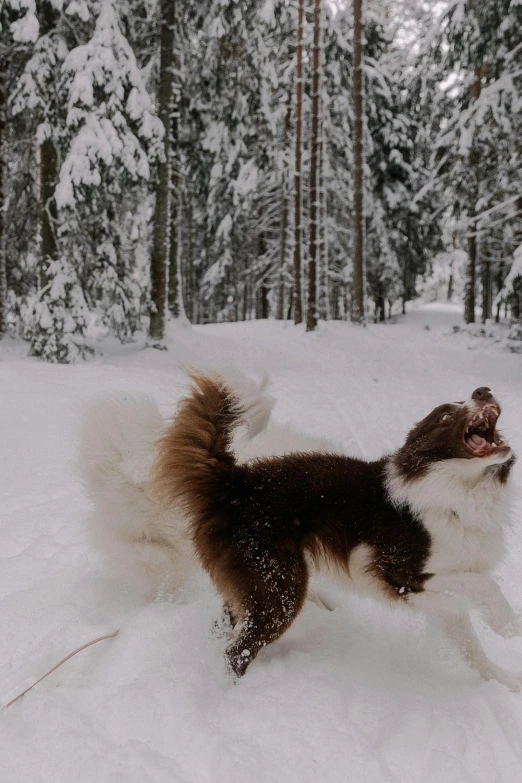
[(511, 680), (507, 624), (237, 661)]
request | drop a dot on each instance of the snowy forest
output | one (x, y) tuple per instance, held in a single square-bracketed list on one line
[(249, 159)]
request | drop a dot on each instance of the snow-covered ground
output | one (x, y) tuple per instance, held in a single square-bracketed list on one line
[(363, 693)]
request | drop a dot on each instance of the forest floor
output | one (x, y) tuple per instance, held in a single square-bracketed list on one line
[(361, 694)]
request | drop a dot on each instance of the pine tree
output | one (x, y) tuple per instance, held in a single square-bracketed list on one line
[(478, 160), (298, 307), (175, 294), (55, 315), (160, 253), (111, 136), (358, 313), (311, 316)]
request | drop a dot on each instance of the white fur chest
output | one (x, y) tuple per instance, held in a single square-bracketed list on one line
[(466, 515)]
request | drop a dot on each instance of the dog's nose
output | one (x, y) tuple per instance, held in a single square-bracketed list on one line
[(482, 394)]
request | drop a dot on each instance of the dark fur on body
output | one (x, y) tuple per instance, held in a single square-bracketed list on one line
[(254, 525)]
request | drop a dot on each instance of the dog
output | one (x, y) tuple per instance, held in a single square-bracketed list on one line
[(423, 526)]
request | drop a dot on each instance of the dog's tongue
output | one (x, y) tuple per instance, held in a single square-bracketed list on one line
[(477, 442)]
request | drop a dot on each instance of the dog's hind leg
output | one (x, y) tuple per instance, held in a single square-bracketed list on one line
[(270, 608)]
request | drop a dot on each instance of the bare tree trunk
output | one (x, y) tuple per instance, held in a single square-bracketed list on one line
[(290, 305), (517, 285), (471, 271), (175, 305), (48, 175), (245, 301), (486, 284), (3, 270), (190, 269), (358, 195), (323, 237), (283, 239), (298, 305), (160, 253), (470, 286), (311, 312)]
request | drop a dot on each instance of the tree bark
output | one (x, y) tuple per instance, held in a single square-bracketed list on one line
[(160, 253), (48, 175), (486, 285), (190, 269), (3, 270), (298, 305), (358, 196), (311, 312), (517, 286), (471, 271), (323, 235), (175, 287), (283, 239)]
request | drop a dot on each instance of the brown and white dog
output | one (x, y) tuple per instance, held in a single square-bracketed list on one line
[(423, 526)]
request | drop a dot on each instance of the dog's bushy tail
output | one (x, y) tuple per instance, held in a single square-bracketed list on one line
[(117, 441), (196, 460)]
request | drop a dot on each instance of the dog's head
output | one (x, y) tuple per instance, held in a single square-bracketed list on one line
[(463, 431)]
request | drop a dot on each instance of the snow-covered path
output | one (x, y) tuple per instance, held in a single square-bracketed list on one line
[(359, 694)]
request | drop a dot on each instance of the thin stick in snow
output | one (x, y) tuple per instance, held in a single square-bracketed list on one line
[(83, 647)]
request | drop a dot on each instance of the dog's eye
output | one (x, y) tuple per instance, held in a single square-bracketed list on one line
[(445, 417)]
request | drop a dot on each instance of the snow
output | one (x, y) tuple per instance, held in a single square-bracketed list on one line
[(363, 693)]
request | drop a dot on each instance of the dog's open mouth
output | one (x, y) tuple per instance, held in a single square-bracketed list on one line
[(481, 437)]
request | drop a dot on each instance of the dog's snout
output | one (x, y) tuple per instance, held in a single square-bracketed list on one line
[(482, 394)]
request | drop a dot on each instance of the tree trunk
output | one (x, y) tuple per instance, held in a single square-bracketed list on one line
[(175, 305), (499, 282), (471, 271), (380, 309), (311, 312), (283, 239), (190, 269), (450, 287), (290, 305), (48, 175), (358, 195), (515, 300), (160, 253), (3, 270), (298, 305), (323, 240), (486, 285), (244, 314), (517, 286), (265, 309)]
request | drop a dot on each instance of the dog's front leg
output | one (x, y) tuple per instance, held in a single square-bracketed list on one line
[(458, 593), (461, 631)]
